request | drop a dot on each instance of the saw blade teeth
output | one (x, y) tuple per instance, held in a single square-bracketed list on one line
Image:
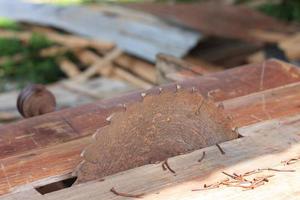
[(229, 117), (90, 153), (210, 96), (78, 168), (235, 129), (122, 105), (94, 136), (99, 133), (194, 89), (221, 106), (82, 153), (125, 125), (160, 90), (109, 118)]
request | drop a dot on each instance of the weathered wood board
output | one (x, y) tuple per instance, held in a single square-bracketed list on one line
[(264, 149), (238, 21), (24, 145), (69, 124)]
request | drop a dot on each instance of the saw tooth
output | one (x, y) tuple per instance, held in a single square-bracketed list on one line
[(99, 135), (221, 106), (83, 152), (123, 106), (229, 117), (210, 96), (90, 153), (235, 129), (78, 168), (109, 118), (160, 90), (94, 136), (87, 169), (178, 87), (194, 89), (143, 94)]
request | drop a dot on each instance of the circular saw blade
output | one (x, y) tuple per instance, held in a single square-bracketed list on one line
[(159, 127)]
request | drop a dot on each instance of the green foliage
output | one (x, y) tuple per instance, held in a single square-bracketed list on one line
[(32, 68), (285, 10), (9, 24), (38, 41), (10, 46)]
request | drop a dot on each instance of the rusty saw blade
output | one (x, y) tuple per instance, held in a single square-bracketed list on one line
[(159, 127)]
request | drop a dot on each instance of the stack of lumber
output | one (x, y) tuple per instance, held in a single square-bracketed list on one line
[(264, 103), (102, 70), (102, 59), (233, 39)]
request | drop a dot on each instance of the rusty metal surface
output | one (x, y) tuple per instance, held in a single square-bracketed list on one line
[(211, 18), (158, 127)]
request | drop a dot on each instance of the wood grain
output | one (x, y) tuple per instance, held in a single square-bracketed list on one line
[(265, 105), (68, 124), (31, 139), (69, 152), (266, 149)]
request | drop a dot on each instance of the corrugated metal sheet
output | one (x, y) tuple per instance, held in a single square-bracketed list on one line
[(135, 32)]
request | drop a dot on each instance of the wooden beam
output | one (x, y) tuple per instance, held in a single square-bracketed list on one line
[(265, 105), (69, 124), (130, 78), (102, 66), (67, 40), (69, 68), (285, 106), (139, 67), (265, 149)]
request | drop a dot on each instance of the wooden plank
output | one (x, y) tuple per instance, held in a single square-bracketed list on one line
[(69, 68), (71, 149), (167, 65), (67, 40), (135, 32), (265, 105), (102, 66), (288, 124), (286, 43), (266, 149), (130, 78), (134, 65), (139, 67), (235, 23), (27, 168), (69, 124)]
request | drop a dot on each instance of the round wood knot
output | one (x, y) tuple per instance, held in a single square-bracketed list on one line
[(35, 100)]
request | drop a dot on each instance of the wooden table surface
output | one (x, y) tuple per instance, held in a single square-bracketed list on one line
[(264, 100)]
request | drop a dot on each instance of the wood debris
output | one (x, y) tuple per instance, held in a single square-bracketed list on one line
[(221, 150), (113, 190), (202, 157), (165, 166)]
